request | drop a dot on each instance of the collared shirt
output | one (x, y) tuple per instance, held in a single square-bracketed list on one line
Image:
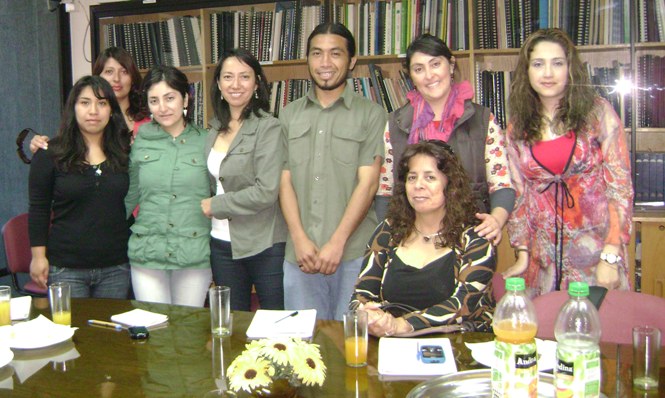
[(326, 146)]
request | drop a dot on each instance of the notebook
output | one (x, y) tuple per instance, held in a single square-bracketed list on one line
[(399, 358), (139, 317), (278, 323)]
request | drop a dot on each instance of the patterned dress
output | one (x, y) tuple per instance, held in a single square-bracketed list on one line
[(566, 219), (450, 290)]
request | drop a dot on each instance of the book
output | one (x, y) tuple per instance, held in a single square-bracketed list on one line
[(399, 358), (139, 317), (282, 323)]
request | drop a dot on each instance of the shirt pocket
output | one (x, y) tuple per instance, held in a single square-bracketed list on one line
[(299, 143), (345, 146), (150, 169)]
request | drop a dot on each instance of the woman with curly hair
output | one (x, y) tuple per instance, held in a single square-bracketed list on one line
[(570, 167), (425, 266)]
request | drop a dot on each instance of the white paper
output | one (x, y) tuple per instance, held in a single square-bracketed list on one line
[(399, 357), (139, 317), (20, 307), (274, 323)]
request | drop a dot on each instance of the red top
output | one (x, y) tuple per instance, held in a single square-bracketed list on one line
[(554, 154)]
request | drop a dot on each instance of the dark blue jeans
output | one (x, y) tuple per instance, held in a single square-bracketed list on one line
[(106, 282), (263, 270)]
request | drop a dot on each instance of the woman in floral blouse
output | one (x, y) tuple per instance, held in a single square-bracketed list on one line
[(570, 166)]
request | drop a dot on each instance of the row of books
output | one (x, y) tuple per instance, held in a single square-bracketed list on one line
[(650, 177), (387, 92), (196, 91), (507, 23), (651, 91), (493, 91), (380, 27), (175, 42), (651, 20), (604, 80)]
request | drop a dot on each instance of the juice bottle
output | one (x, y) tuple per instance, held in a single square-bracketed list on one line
[(515, 369), (577, 332)]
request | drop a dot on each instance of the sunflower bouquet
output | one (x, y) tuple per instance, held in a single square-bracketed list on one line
[(267, 361)]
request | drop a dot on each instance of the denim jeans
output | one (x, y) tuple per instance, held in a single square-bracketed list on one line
[(328, 294), (103, 282), (263, 270)]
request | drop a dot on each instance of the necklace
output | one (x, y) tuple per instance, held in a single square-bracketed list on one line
[(98, 169), (426, 238)]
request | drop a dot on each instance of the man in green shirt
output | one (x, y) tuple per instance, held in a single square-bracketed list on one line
[(335, 149)]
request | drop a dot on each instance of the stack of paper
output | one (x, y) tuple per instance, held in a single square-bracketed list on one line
[(275, 323), (139, 317), (399, 359)]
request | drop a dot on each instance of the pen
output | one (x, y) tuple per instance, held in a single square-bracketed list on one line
[(294, 313), (95, 322)]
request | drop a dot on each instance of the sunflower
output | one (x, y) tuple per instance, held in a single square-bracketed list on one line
[(278, 351), (249, 372), (310, 369)]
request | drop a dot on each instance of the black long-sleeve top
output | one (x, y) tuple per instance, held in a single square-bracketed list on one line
[(89, 228)]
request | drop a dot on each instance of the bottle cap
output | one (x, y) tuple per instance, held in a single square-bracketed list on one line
[(515, 284), (578, 289)]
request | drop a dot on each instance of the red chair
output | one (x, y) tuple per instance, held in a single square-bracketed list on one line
[(17, 251), (498, 286), (619, 312)]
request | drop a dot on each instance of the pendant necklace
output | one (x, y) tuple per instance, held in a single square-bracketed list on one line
[(426, 238)]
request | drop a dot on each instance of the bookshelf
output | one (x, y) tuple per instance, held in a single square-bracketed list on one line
[(613, 36)]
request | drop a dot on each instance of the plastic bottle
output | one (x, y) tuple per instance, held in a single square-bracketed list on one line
[(577, 332), (515, 370)]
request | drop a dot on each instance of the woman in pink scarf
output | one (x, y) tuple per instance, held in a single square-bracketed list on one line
[(441, 109)]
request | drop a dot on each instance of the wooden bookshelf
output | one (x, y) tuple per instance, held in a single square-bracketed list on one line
[(470, 58)]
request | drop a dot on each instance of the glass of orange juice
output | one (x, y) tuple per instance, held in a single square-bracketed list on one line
[(355, 338), (59, 294), (5, 298)]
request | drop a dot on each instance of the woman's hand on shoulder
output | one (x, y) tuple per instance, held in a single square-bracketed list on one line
[(39, 142)]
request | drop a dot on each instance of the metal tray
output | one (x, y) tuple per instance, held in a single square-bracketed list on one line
[(472, 384)]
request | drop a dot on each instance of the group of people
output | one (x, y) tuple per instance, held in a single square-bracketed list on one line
[(335, 201)]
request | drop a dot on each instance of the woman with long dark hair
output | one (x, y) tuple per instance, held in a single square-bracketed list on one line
[(571, 170), (245, 151), (81, 181)]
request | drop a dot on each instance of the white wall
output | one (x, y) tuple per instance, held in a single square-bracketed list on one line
[(80, 36)]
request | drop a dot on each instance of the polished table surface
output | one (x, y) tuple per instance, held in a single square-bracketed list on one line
[(180, 359)]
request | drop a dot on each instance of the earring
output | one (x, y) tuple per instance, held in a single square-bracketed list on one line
[(222, 97), (184, 112), (152, 117), (256, 94)]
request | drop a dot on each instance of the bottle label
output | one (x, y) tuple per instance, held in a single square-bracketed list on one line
[(577, 373), (515, 370)]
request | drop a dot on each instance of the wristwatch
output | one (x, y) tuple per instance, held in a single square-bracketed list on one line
[(610, 258)]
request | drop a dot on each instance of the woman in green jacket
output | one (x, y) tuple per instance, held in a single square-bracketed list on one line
[(169, 248)]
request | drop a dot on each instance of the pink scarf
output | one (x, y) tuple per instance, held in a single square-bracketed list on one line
[(423, 127)]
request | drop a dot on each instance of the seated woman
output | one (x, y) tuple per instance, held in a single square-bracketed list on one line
[(425, 266)]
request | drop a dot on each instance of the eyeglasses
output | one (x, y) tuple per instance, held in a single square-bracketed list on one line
[(19, 144), (442, 144)]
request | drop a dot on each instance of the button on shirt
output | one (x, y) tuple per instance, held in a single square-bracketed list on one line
[(326, 146)]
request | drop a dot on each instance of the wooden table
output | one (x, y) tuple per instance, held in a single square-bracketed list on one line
[(177, 361)]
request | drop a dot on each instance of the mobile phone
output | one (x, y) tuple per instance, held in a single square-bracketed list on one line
[(138, 332), (431, 354)]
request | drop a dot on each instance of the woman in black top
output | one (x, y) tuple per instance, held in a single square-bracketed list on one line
[(425, 266), (78, 186)]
